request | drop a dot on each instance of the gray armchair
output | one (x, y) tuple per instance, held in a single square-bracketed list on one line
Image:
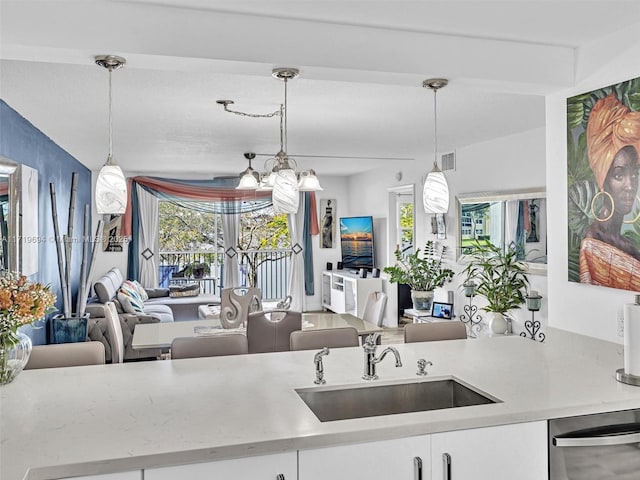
[(97, 330)]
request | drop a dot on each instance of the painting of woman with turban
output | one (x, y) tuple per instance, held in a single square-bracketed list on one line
[(603, 167)]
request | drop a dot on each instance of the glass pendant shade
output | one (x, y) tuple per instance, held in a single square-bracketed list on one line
[(111, 190), (309, 182), (248, 180), (111, 186), (285, 192), (435, 195)]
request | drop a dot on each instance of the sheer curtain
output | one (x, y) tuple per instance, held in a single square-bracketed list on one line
[(511, 223), (148, 238), (296, 274), (230, 230)]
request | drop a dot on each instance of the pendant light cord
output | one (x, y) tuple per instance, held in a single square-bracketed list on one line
[(435, 127), (110, 121), (286, 147)]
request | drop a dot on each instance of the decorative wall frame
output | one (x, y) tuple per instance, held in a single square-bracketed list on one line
[(603, 146), (328, 220)]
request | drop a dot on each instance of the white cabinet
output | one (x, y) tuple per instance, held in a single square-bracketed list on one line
[(505, 452), (266, 467), (135, 475), (384, 460), (344, 292)]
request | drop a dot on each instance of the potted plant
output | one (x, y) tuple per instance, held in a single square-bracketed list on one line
[(500, 277), (422, 272), (196, 269)]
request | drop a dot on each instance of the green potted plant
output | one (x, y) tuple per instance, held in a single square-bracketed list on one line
[(499, 277), (196, 269), (422, 272)]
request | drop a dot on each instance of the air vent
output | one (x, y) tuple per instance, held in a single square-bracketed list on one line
[(449, 161)]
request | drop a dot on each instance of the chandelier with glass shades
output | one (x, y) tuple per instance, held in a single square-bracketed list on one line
[(435, 195), (111, 186), (279, 173)]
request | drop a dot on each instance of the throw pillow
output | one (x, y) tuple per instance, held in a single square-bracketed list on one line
[(190, 290), (129, 304), (141, 291)]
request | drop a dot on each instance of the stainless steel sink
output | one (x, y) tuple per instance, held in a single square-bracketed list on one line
[(342, 403)]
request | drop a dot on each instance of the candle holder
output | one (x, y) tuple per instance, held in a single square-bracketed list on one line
[(471, 318), (533, 326)]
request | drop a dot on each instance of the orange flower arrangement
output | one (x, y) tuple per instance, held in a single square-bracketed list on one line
[(22, 302)]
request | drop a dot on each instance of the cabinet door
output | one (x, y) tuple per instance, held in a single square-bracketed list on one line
[(385, 460), (506, 452), (266, 467), (136, 475)]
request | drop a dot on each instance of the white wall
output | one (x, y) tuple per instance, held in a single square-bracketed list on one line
[(334, 188), (507, 163), (585, 309)]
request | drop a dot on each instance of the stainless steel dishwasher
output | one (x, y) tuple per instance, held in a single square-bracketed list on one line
[(605, 446)]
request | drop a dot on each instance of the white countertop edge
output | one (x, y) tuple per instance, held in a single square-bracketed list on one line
[(185, 457)]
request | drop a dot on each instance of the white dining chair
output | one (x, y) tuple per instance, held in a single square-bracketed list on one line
[(374, 308), (114, 328)]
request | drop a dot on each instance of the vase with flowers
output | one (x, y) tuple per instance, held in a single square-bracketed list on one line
[(21, 303)]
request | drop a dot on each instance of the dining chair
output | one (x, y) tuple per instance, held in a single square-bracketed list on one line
[(236, 303), (66, 355), (427, 332), (374, 308), (114, 328), (330, 337), (272, 332), (213, 346)]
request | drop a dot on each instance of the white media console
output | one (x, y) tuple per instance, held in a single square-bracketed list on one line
[(346, 292)]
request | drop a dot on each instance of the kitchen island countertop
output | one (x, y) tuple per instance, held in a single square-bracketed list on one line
[(110, 418)]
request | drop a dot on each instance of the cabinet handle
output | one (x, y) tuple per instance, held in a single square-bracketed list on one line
[(417, 468), (280, 477), (446, 466)]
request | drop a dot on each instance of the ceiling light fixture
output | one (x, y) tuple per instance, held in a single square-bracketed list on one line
[(435, 195), (111, 186), (249, 179), (280, 171)]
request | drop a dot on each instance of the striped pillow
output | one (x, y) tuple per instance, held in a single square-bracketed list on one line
[(130, 298)]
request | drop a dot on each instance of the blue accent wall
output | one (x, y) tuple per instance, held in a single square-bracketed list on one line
[(23, 143)]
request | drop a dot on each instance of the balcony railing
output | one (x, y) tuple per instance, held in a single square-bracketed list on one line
[(271, 269)]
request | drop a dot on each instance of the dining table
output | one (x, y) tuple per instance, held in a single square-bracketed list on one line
[(160, 335)]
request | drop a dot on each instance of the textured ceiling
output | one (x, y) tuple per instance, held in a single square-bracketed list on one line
[(359, 93)]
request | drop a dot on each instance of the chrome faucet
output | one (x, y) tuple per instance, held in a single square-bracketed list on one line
[(317, 359), (370, 360)]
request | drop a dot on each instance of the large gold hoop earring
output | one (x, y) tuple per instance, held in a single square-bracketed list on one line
[(637, 216), (613, 207)]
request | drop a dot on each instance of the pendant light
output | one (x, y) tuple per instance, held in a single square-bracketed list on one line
[(280, 176), (249, 179), (111, 186), (285, 186), (435, 195)]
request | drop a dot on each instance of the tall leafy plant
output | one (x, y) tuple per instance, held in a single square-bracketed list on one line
[(422, 272), (498, 276)]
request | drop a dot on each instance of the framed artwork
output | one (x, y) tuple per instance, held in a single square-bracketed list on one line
[(328, 222), (603, 146), (112, 239)]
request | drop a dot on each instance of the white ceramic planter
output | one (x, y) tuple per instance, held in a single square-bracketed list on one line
[(422, 300), (497, 322)]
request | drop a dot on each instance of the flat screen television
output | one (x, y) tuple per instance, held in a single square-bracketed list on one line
[(356, 241)]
